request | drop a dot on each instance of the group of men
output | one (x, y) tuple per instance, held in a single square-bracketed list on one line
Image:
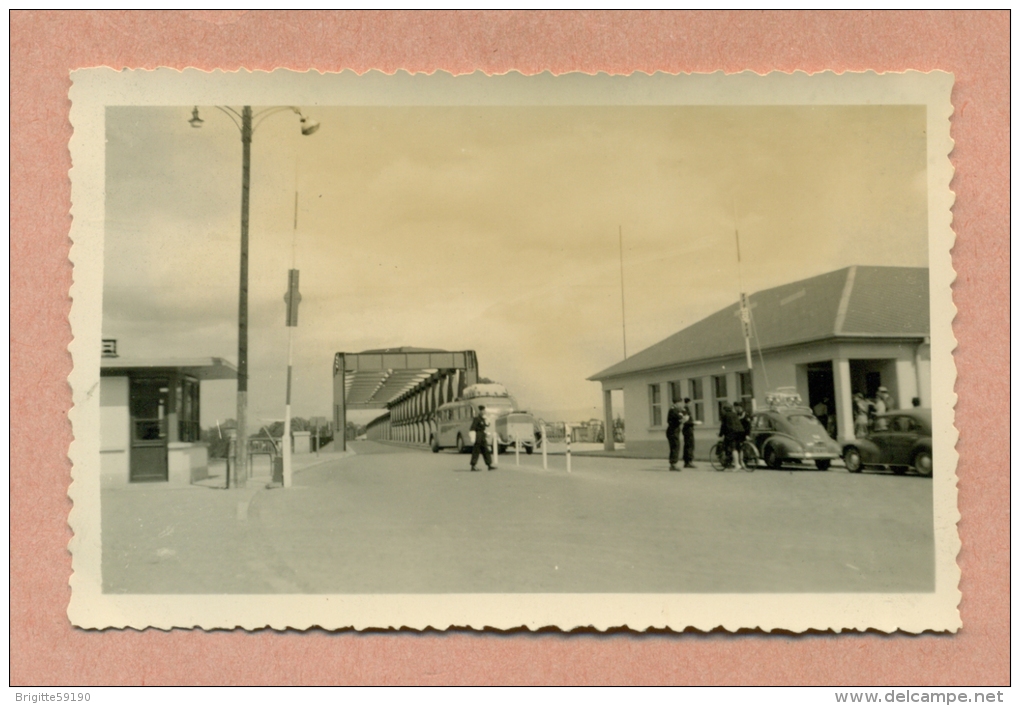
[(866, 412), (680, 421), (734, 427)]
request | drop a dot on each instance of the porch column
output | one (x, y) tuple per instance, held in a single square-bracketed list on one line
[(844, 399), (609, 443)]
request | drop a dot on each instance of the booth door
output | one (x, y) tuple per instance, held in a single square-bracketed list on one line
[(149, 410)]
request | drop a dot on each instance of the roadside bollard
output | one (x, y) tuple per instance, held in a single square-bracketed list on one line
[(517, 449), (545, 445), (495, 449), (568, 449)]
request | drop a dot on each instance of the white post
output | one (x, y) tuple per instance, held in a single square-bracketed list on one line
[(287, 470), (566, 427), (517, 448), (545, 446), (495, 446)]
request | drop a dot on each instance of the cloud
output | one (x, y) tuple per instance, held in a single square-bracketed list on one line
[(494, 229)]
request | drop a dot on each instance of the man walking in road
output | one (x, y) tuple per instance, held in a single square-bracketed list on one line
[(687, 426), (674, 420), (481, 446)]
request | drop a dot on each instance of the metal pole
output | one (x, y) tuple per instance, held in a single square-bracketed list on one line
[(517, 448), (241, 468), (287, 469), (623, 304)]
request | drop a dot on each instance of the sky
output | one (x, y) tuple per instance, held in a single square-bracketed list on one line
[(493, 229)]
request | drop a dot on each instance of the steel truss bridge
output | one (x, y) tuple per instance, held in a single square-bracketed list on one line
[(409, 382)]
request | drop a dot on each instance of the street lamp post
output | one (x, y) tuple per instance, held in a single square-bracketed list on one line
[(247, 128)]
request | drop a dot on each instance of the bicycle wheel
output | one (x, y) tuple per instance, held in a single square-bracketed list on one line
[(715, 455), (750, 454)]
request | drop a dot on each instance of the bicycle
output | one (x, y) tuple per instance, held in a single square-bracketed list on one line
[(717, 456)]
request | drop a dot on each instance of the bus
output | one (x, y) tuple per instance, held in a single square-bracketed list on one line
[(452, 428)]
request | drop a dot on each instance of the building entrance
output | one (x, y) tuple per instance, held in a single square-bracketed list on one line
[(149, 422), (822, 394), (866, 376)]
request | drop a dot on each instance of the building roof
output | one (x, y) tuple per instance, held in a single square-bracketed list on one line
[(201, 368), (858, 301)]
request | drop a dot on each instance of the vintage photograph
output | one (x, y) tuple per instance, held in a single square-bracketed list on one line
[(431, 350)]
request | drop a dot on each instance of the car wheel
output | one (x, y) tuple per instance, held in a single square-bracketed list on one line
[(899, 470), (772, 459), (529, 449), (823, 464), (461, 448), (922, 463), (435, 445), (852, 459)]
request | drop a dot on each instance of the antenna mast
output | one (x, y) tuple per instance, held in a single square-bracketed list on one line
[(623, 305), (745, 312)]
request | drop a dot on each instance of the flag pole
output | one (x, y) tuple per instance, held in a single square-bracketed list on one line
[(623, 304)]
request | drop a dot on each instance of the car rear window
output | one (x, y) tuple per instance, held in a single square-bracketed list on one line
[(803, 420)]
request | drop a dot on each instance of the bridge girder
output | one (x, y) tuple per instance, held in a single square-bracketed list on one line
[(410, 382)]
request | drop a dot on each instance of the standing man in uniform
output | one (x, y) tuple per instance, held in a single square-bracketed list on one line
[(674, 420), (687, 425), (478, 425)]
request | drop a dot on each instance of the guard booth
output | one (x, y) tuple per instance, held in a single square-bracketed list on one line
[(149, 418)]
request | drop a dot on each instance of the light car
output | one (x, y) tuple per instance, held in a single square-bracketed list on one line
[(789, 434), (513, 427), (900, 440)]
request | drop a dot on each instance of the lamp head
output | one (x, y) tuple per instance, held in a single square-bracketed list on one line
[(308, 126), (195, 120)]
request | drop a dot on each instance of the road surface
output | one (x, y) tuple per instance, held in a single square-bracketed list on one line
[(390, 519)]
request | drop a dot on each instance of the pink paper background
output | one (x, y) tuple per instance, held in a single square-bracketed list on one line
[(45, 46)]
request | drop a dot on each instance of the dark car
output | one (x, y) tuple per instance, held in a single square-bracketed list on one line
[(792, 434), (900, 440)]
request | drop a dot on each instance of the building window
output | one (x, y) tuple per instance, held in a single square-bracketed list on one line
[(746, 390), (187, 410), (655, 400), (676, 392), (721, 395), (697, 399)]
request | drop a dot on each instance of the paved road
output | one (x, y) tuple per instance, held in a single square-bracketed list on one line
[(395, 520)]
